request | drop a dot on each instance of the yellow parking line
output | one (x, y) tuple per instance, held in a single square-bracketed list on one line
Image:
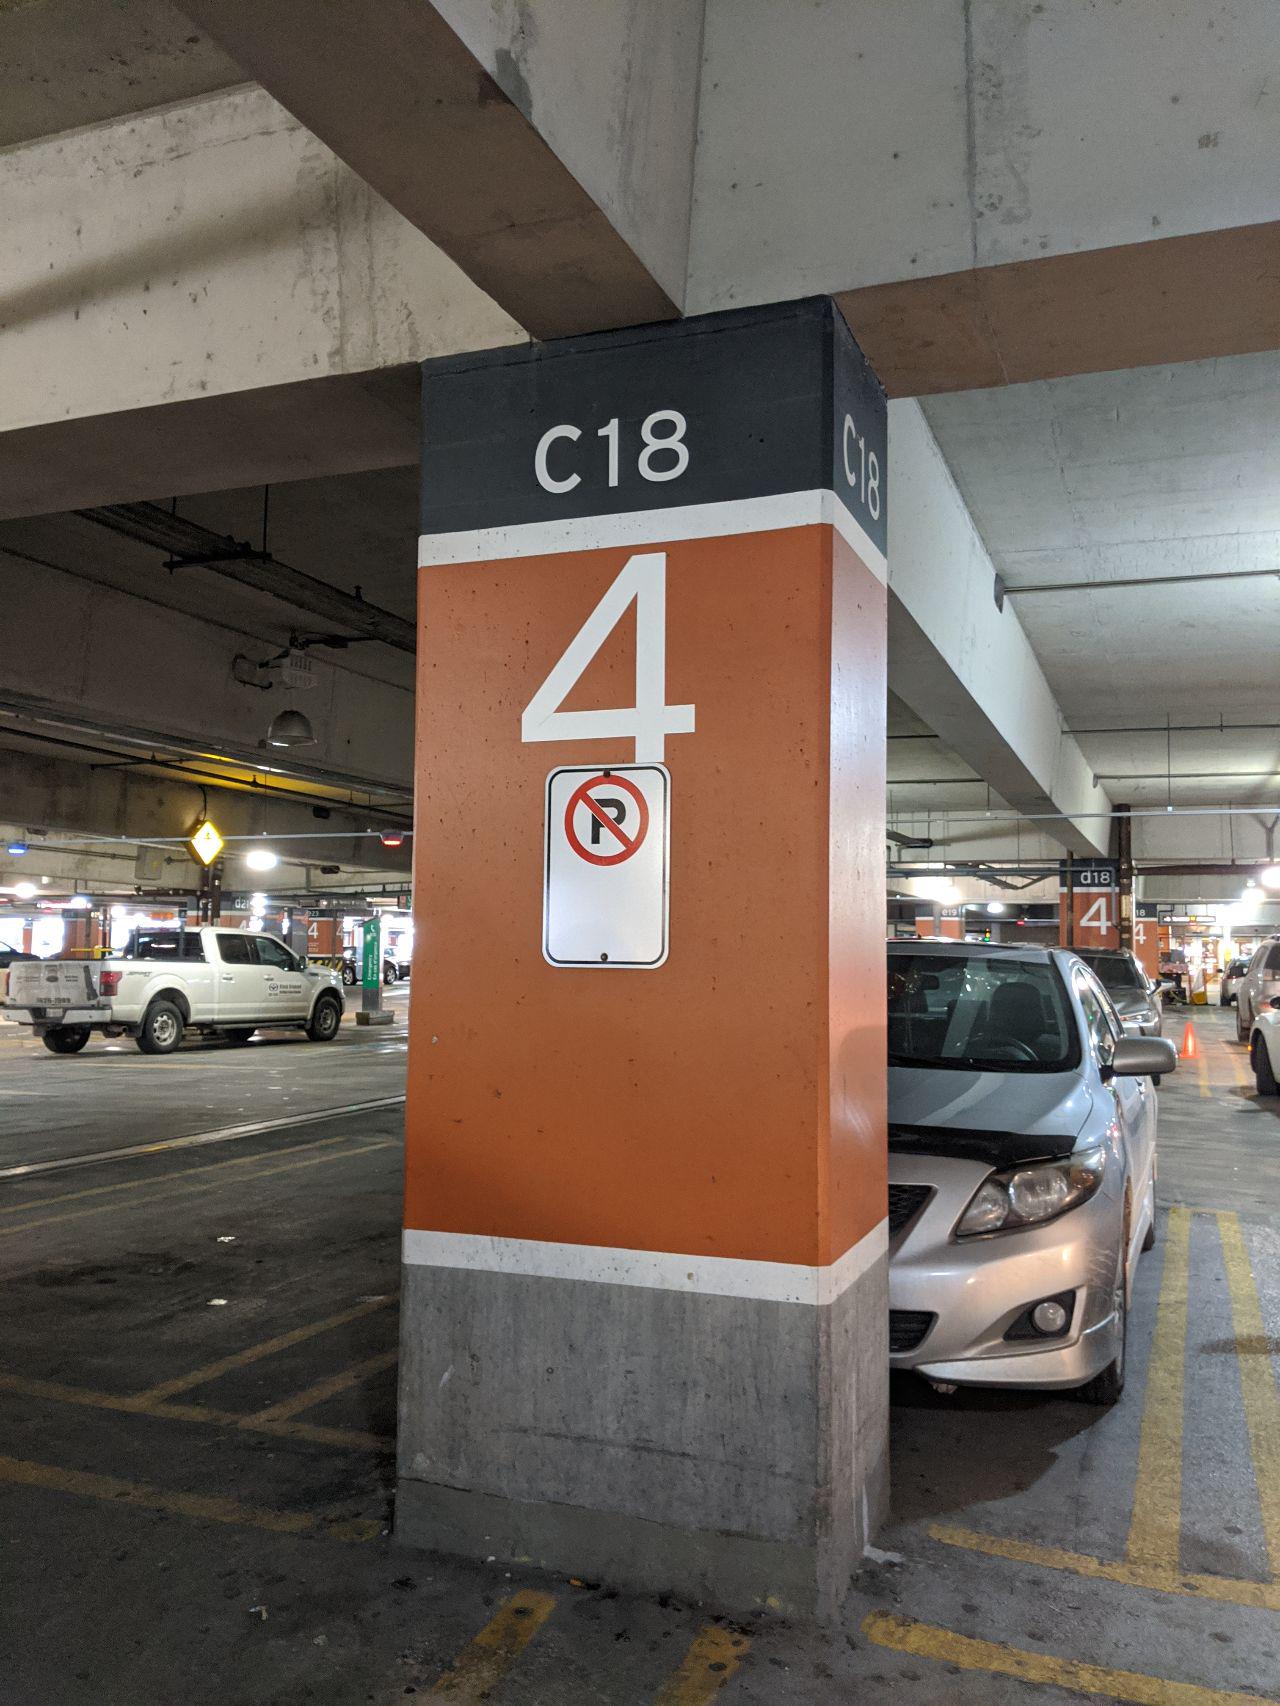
[(924, 1640), (1202, 1077), (52, 1391), (1155, 1528), (154, 1179), (1257, 1384), (481, 1666), (201, 1506), (1159, 1578), (713, 1656), (169, 1188), (322, 1389), (266, 1348)]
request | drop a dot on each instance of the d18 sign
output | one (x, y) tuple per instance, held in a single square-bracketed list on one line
[(605, 896)]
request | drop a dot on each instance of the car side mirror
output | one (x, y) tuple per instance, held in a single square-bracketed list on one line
[(302, 962), (1143, 1057)]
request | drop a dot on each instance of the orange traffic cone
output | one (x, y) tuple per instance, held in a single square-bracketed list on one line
[(1190, 1047)]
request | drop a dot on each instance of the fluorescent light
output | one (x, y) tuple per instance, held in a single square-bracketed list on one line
[(79, 900), (24, 891), (995, 907), (16, 849), (261, 859)]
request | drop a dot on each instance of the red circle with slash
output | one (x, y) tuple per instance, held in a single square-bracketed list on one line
[(630, 844)]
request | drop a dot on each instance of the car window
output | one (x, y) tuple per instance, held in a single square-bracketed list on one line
[(979, 1013), (1114, 971), (164, 945), (273, 953), (1102, 1029), (1273, 958), (235, 948)]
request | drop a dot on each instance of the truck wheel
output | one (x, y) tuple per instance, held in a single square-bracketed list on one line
[(326, 1017), (161, 1029), (66, 1039), (1263, 1073)]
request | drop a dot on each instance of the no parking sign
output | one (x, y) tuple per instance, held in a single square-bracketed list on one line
[(605, 898)]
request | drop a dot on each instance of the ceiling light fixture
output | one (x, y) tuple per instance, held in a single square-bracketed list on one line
[(1270, 878), (24, 891), (16, 849), (261, 859), (290, 728)]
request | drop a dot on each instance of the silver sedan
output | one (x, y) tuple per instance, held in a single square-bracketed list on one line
[(1021, 1165)]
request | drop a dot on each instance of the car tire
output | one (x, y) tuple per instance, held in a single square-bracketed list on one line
[(66, 1039), (161, 1029), (1106, 1387), (348, 974), (1263, 1071), (389, 975), (238, 1035), (325, 1021)]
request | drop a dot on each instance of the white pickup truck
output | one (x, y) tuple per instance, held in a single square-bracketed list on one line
[(166, 982)]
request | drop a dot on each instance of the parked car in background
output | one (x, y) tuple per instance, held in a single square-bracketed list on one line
[(1264, 1049), (391, 970), (1133, 994), (1022, 1167), (227, 983), (1232, 977), (1260, 982)]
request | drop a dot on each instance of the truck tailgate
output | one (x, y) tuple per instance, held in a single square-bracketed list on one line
[(52, 983)]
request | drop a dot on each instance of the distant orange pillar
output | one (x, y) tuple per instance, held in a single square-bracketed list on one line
[(1094, 906), (645, 1306), (1146, 937)]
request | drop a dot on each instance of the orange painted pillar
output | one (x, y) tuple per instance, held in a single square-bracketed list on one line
[(1095, 906), (645, 1305)]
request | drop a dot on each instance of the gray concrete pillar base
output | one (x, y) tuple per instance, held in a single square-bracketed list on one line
[(729, 1450)]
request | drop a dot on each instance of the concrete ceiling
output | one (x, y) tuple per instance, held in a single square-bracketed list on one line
[(66, 63), (353, 531), (1151, 473)]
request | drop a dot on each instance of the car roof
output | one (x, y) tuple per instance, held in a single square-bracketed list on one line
[(1028, 951)]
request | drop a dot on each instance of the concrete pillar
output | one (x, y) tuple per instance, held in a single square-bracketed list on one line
[(644, 1308)]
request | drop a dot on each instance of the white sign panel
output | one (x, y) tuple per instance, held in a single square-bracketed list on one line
[(606, 876)]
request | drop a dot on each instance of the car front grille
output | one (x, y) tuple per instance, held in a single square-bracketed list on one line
[(905, 1202), (907, 1327)]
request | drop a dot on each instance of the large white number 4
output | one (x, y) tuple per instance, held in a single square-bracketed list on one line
[(1096, 916), (650, 720)]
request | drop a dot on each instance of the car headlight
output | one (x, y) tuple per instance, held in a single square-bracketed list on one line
[(1028, 1196)]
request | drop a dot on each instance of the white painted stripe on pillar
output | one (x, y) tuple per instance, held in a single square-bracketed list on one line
[(707, 1276), (655, 527)]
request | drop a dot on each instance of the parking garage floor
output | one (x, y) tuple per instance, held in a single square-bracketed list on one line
[(197, 1407)]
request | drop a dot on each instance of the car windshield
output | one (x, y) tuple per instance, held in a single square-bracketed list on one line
[(1113, 971), (979, 1013)]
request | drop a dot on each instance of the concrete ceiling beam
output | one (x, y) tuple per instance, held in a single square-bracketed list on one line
[(1136, 305), (454, 143), (963, 665)]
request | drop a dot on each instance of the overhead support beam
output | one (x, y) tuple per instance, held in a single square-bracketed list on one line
[(1135, 305), (338, 424), (189, 545), (967, 668), (395, 91)]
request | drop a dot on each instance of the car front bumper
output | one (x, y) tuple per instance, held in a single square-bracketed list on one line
[(977, 1289)]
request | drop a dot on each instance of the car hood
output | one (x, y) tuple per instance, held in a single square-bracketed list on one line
[(1004, 1118)]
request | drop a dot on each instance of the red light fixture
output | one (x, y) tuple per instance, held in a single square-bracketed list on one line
[(392, 838)]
